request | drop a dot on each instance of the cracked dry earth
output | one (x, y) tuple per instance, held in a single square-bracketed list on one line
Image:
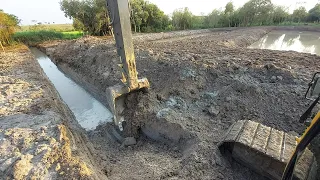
[(201, 82)]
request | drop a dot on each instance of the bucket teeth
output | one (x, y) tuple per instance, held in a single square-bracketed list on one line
[(266, 150)]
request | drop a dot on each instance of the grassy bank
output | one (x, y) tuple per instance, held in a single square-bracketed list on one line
[(34, 37), (47, 27)]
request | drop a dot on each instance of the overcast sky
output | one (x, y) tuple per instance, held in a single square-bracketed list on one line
[(49, 10)]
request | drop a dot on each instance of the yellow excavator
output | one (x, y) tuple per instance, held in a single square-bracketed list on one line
[(268, 151)]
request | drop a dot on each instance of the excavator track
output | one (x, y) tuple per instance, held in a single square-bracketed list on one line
[(266, 150)]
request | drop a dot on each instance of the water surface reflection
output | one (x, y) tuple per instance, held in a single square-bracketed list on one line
[(88, 111), (308, 42)]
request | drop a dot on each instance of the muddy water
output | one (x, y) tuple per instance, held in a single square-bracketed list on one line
[(307, 42), (88, 111)]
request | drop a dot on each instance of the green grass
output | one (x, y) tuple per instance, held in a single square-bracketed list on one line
[(35, 34), (35, 37), (48, 27), (72, 34)]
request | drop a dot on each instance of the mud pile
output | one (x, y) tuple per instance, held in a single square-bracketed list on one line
[(39, 137), (200, 84)]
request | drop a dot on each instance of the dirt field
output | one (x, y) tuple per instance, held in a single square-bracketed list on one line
[(201, 83)]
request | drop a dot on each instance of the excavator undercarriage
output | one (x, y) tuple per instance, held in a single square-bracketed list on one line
[(273, 153), (266, 150)]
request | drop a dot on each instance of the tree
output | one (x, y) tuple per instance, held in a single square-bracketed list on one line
[(155, 18), (314, 13), (229, 8), (198, 22), (91, 13), (8, 24), (228, 12), (77, 25), (280, 14), (147, 17), (236, 18), (182, 18), (213, 19), (166, 23), (256, 12), (139, 14), (299, 14)]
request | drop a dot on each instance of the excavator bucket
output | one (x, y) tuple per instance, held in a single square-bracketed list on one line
[(116, 100), (266, 150)]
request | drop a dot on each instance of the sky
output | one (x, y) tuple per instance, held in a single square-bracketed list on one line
[(49, 10)]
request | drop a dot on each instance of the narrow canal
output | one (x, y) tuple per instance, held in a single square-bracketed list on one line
[(88, 111)]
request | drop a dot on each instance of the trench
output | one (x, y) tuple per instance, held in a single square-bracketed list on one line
[(160, 141), (88, 111), (91, 113), (300, 41)]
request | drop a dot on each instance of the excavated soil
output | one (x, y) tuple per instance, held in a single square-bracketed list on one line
[(39, 136), (201, 82)]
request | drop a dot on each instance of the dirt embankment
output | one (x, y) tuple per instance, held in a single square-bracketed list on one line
[(39, 136), (200, 84), (297, 28)]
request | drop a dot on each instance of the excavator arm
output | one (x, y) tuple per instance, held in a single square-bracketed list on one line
[(120, 20)]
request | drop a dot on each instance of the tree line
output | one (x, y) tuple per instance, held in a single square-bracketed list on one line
[(92, 16), (252, 13)]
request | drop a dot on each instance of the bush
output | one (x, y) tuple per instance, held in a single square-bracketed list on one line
[(169, 28), (8, 23)]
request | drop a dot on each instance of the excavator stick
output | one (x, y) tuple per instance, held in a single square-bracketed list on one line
[(120, 21)]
